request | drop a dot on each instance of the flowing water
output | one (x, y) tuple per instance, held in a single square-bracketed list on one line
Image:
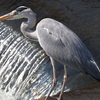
[(25, 69)]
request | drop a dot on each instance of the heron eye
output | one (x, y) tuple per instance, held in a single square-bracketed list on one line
[(14, 12)]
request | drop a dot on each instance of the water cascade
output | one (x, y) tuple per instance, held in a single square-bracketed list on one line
[(25, 69)]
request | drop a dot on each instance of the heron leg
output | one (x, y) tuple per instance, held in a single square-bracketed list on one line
[(64, 83), (53, 62)]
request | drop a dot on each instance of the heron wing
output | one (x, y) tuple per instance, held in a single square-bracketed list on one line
[(62, 44)]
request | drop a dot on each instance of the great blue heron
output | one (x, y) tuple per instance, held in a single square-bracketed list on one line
[(59, 42)]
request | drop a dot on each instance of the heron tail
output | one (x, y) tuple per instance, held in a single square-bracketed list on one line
[(93, 70)]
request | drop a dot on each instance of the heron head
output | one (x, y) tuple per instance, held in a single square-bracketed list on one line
[(18, 13)]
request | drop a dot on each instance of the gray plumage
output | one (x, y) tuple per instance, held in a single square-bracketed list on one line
[(65, 46), (59, 42)]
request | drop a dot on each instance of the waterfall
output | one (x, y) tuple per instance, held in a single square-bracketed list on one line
[(25, 69)]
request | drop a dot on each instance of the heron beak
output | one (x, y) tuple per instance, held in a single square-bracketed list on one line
[(5, 17)]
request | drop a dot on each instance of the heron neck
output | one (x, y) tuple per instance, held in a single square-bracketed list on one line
[(31, 21), (26, 28)]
